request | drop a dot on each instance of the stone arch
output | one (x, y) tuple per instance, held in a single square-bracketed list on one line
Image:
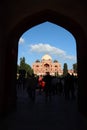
[(35, 19), (28, 22), (51, 16)]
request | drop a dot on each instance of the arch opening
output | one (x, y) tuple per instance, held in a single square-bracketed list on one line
[(47, 66)]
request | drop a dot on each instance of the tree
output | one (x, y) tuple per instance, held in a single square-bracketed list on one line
[(29, 70), (24, 67), (22, 63), (75, 68), (65, 69), (18, 68)]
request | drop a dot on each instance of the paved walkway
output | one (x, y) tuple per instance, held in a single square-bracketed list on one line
[(57, 114)]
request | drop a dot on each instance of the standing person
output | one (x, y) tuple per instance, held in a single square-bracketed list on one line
[(40, 83), (47, 79), (72, 86), (67, 86), (31, 89), (60, 86)]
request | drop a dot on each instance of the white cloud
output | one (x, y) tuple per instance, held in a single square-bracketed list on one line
[(21, 40), (46, 48)]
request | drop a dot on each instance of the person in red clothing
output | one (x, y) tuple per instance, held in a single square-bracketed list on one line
[(43, 84), (40, 83)]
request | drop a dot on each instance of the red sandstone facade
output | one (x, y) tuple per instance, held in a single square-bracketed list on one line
[(47, 65)]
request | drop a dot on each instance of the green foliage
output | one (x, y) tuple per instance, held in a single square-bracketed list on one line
[(18, 68), (22, 63), (75, 68), (65, 69), (24, 66)]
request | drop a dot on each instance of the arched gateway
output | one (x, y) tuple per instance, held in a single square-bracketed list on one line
[(18, 17)]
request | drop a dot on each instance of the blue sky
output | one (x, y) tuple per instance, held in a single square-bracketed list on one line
[(47, 38)]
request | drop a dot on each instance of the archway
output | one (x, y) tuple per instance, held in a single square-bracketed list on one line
[(12, 50)]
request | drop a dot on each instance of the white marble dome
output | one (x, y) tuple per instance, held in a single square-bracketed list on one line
[(46, 57)]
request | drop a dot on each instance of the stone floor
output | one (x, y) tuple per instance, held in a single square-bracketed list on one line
[(58, 114)]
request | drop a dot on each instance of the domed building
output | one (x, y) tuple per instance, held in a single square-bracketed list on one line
[(46, 57), (47, 65)]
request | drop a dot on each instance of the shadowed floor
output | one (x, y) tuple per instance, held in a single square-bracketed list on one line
[(58, 114)]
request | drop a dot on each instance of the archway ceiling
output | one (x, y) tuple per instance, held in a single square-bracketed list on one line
[(43, 16), (18, 16)]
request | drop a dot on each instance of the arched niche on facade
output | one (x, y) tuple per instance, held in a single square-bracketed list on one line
[(58, 19), (46, 65)]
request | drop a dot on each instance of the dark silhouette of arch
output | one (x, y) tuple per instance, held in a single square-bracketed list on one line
[(28, 22), (47, 15)]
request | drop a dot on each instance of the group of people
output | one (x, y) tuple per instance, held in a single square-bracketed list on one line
[(51, 85)]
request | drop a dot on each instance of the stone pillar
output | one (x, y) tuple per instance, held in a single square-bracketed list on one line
[(82, 75), (2, 75), (8, 65), (10, 73)]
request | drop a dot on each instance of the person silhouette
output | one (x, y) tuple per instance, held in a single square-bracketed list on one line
[(48, 91)]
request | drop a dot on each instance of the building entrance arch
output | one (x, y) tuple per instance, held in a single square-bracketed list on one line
[(12, 50)]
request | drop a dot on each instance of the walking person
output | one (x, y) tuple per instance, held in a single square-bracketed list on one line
[(47, 89), (31, 87)]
